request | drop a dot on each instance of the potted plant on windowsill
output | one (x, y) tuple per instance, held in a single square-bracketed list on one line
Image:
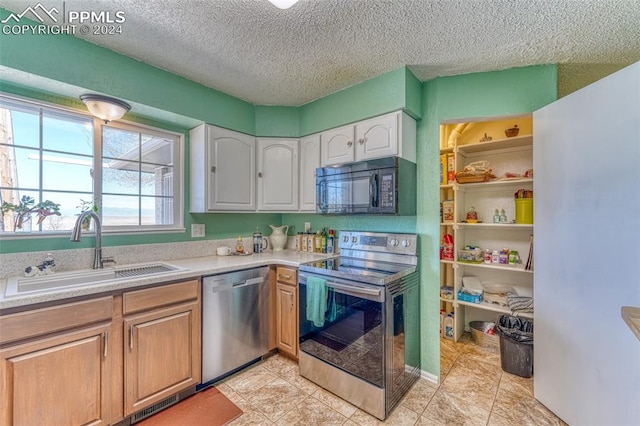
[(86, 206), (23, 211)]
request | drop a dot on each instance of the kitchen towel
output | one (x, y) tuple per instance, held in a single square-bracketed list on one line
[(316, 300)]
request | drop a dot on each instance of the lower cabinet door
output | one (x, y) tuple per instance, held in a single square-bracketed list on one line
[(61, 380), (161, 355), (287, 318)]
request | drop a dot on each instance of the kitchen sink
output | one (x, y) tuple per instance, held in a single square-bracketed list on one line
[(61, 280)]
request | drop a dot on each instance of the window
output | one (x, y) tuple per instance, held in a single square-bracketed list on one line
[(57, 163)]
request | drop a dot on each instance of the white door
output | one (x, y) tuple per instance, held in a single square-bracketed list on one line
[(309, 162), (377, 137), (277, 174), (587, 227), (231, 175), (336, 146)]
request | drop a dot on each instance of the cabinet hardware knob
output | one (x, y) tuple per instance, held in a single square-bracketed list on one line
[(106, 343), (259, 174), (349, 144), (361, 141), (213, 169), (131, 336), (284, 276)]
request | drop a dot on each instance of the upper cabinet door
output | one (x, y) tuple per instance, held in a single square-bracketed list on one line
[(277, 174), (309, 162), (377, 137), (337, 146), (231, 172)]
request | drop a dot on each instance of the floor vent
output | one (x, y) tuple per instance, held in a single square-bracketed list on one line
[(154, 408)]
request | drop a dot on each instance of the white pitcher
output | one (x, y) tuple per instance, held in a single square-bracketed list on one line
[(278, 238)]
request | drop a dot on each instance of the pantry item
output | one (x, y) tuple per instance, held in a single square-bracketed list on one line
[(472, 216), (512, 131), (470, 254), (478, 171), (487, 256), (483, 334), (448, 327), (447, 211), (278, 238)]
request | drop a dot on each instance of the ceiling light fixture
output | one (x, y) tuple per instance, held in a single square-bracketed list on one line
[(104, 107), (283, 4)]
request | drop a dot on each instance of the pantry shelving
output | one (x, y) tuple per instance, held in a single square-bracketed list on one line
[(511, 162)]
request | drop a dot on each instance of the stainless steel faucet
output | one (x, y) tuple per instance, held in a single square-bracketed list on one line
[(98, 260)]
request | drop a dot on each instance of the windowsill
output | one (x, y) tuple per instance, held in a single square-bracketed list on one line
[(67, 234)]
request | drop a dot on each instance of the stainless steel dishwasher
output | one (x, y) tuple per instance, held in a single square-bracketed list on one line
[(235, 321)]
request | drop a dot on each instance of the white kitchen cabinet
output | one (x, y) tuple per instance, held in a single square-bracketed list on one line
[(222, 170), (337, 145), (514, 155), (309, 162), (384, 136), (277, 175)]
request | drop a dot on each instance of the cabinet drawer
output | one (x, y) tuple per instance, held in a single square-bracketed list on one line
[(24, 325), (141, 300), (286, 275)]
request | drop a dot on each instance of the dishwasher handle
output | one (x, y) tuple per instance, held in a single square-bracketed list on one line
[(250, 281), (219, 285)]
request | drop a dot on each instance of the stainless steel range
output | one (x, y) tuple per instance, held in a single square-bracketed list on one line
[(360, 320)]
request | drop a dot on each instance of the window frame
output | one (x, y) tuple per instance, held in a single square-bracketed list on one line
[(178, 171)]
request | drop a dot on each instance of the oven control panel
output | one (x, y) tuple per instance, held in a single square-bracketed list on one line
[(378, 242)]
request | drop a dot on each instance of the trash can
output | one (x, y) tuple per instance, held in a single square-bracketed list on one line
[(516, 345)]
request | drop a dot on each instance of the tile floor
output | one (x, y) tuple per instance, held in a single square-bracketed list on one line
[(473, 391)]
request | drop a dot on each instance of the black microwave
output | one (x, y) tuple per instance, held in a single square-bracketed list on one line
[(379, 186)]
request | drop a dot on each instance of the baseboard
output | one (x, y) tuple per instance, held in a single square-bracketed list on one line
[(429, 377)]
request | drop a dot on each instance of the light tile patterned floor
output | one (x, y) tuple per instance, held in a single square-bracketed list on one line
[(473, 391)]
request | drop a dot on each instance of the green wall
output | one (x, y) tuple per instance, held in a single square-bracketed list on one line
[(379, 95), (509, 92)]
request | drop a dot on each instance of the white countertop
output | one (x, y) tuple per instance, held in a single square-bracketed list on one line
[(191, 268)]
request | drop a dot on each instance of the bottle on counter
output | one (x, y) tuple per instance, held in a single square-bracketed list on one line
[(49, 263), (324, 240), (330, 241), (310, 238), (304, 240), (317, 242), (239, 245), (299, 241)]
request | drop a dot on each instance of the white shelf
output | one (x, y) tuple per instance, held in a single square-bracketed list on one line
[(502, 267), (494, 225), (492, 307), (447, 186), (493, 184), (515, 142), (449, 262)]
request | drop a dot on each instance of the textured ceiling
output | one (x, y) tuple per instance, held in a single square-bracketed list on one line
[(257, 52)]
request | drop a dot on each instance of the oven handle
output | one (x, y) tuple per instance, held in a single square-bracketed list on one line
[(354, 290)]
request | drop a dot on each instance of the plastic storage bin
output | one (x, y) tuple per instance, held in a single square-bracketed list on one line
[(516, 345)]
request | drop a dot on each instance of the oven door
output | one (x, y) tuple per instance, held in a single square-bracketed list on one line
[(350, 334)]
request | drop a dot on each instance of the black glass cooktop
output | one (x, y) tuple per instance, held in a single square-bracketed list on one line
[(357, 269)]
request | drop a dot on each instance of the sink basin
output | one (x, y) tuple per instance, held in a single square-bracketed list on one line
[(23, 285)]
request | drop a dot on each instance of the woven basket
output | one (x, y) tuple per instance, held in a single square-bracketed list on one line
[(466, 177), (490, 342)]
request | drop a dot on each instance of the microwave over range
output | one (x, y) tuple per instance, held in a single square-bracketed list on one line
[(381, 186)]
